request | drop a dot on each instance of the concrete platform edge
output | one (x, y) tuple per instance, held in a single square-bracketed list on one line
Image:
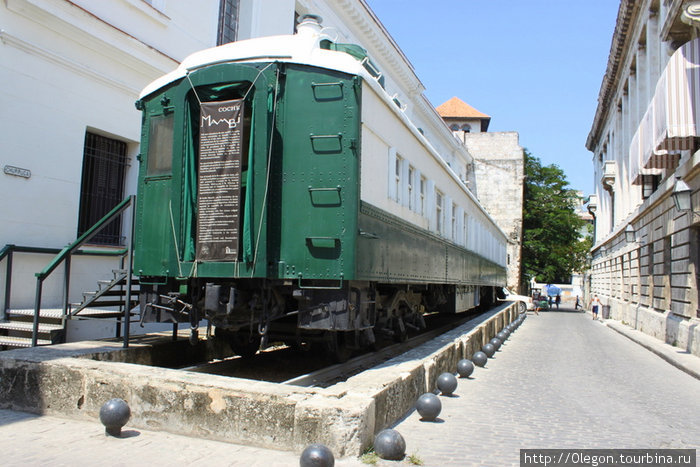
[(345, 417)]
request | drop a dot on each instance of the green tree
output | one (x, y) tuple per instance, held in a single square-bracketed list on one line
[(553, 246)]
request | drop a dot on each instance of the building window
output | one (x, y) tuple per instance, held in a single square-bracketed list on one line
[(423, 182), (464, 229), (612, 211), (695, 260), (466, 128), (397, 176), (438, 211), (102, 186), (649, 185), (228, 21), (411, 174)]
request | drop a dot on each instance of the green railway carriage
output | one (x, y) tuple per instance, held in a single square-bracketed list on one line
[(250, 211)]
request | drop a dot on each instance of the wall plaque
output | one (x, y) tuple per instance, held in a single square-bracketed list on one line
[(219, 180), (17, 172)]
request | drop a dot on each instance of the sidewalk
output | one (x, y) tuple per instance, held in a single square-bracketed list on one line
[(561, 380), (681, 359)]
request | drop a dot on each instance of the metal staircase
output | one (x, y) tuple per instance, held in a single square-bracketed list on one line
[(114, 299), (110, 293)]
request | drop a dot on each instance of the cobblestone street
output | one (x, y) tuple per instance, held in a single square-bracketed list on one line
[(562, 380)]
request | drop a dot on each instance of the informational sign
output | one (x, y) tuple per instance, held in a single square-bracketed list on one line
[(219, 180)]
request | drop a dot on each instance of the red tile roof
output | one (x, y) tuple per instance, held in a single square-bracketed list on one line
[(457, 108)]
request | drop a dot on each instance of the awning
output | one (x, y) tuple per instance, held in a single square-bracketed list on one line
[(671, 122), (641, 147)]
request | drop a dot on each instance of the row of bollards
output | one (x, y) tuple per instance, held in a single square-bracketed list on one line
[(388, 444), (429, 406)]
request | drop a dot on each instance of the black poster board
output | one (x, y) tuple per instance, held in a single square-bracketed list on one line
[(219, 180)]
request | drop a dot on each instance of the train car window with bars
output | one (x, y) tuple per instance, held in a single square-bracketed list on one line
[(102, 186)]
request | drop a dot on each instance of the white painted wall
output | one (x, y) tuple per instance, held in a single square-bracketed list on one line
[(66, 67), (258, 18), (384, 137)]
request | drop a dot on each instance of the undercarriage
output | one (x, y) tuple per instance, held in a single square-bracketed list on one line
[(253, 314)]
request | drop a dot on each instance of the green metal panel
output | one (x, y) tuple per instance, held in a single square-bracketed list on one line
[(391, 250), (166, 209), (317, 176), (153, 252)]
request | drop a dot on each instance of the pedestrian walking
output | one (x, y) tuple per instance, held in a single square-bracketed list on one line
[(595, 306), (557, 300), (578, 303)]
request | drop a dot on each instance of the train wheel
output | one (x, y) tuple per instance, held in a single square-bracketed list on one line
[(338, 348), (400, 333), (244, 344)]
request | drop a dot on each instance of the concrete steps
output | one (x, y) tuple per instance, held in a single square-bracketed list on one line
[(104, 303), (16, 332)]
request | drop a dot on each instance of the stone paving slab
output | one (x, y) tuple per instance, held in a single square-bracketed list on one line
[(32, 440)]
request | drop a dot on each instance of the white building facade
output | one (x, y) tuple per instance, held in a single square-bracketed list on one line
[(71, 72), (497, 176), (644, 141)]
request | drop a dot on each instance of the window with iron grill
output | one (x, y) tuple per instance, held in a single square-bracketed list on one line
[(102, 186), (228, 21), (649, 185)]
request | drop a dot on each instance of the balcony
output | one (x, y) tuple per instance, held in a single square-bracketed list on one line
[(609, 175)]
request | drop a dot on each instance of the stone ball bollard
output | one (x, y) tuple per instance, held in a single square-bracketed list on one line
[(447, 383), (502, 335), (429, 406), (465, 368), (489, 350), (496, 342), (390, 445), (316, 455), (114, 414), (479, 358)]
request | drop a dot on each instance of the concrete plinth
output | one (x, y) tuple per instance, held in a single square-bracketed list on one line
[(74, 380)]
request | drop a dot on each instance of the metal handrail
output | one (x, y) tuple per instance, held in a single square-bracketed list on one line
[(64, 257), (9, 250)]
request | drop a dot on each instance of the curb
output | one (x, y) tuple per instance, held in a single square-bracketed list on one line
[(683, 361)]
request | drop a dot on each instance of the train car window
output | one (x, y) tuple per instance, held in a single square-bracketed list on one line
[(411, 174), (438, 211), (423, 183), (160, 145)]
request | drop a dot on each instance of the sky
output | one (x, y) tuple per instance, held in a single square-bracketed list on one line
[(533, 66)]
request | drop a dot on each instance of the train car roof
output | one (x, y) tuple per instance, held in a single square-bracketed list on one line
[(298, 48)]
